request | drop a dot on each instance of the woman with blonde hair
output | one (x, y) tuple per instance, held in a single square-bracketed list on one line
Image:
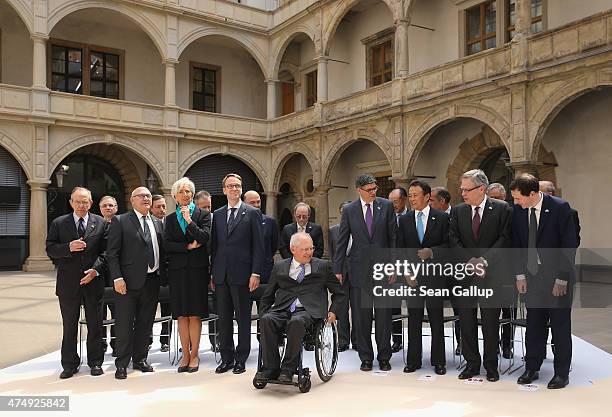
[(186, 234)]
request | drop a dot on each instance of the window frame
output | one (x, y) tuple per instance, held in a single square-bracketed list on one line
[(509, 28), (375, 41), (483, 37), (313, 74), (193, 65)]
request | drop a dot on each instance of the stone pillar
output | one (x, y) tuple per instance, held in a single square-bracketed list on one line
[(38, 259), (522, 28), (322, 193), (522, 24), (322, 79), (39, 62), (170, 83), (522, 167), (170, 203), (402, 182), (401, 48), (272, 97), (271, 203)]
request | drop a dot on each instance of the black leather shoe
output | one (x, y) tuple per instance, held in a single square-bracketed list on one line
[(267, 374), (309, 347), (396, 347), (492, 376), (366, 366), (224, 367), (96, 370), (164, 348), (67, 373), (528, 377), (342, 348), (507, 353), (239, 368), (121, 373), (469, 373), (440, 369), (142, 366), (285, 376), (384, 365), (410, 368), (458, 351), (558, 382)]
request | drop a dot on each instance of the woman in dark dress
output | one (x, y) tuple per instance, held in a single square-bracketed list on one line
[(186, 234)]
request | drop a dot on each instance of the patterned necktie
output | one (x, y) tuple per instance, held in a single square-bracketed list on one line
[(368, 218), (231, 220), (299, 280), (532, 252), (147, 236), (420, 227), (476, 222), (81, 228)]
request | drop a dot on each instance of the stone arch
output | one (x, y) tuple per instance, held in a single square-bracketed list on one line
[(423, 132), (279, 52), (20, 155), (24, 11), (286, 154), (243, 156), (558, 99), (130, 143), (147, 25), (248, 44), (347, 139), (337, 14)]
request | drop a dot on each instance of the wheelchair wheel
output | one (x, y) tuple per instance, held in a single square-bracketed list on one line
[(259, 384), (326, 350), (304, 384)]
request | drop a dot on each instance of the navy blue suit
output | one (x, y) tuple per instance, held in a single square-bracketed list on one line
[(270, 238), (556, 245)]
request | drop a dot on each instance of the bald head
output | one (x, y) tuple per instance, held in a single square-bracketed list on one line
[(253, 199), (548, 187)]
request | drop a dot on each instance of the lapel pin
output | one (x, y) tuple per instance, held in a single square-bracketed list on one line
[(433, 218), (490, 208), (546, 211)]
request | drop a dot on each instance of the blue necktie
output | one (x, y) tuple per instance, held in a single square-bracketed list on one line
[(420, 227), (299, 280)]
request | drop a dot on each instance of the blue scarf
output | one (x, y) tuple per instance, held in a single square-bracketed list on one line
[(180, 219)]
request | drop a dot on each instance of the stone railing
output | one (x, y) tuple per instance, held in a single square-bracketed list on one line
[(363, 101), (286, 9), (15, 100), (294, 122), (212, 124), (251, 13)]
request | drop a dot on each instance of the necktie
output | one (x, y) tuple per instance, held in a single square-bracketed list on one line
[(299, 280), (397, 216), (368, 218), (532, 252), (147, 235), (81, 228), (476, 223), (231, 220), (420, 227)]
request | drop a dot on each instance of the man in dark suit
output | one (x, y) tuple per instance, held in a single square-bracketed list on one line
[(398, 196), (158, 210), (270, 235), (135, 261), (108, 208), (544, 229), (479, 230), (370, 222), (77, 241), (548, 187), (294, 299), (301, 213), (423, 231), (237, 256)]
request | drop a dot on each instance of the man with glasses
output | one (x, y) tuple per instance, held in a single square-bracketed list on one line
[(237, 257), (301, 214), (77, 241), (135, 262), (108, 208), (370, 221)]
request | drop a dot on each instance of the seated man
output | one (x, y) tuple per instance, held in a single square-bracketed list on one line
[(295, 298)]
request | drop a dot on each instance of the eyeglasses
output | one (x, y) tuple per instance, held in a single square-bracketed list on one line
[(415, 195), (370, 190), (110, 205), (143, 196), (302, 216), (467, 190), (81, 203), (233, 186), (311, 249)]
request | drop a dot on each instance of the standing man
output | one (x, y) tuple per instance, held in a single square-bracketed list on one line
[(497, 191), (301, 214), (135, 262), (479, 230), (108, 208), (158, 210), (370, 221), (270, 235), (423, 231), (548, 187), (203, 200), (440, 199), (237, 255), (398, 197), (543, 227), (77, 241)]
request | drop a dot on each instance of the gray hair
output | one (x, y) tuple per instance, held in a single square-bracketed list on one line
[(201, 195), (548, 187), (296, 237), (301, 204), (477, 176), (364, 179), (496, 186), (442, 194), (179, 184)]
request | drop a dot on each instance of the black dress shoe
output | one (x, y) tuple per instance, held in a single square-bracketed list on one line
[(366, 366), (384, 365), (239, 368), (285, 376), (267, 374), (309, 347), (224, 367), (343, 348), (96, 370), (558, 382), (469, 373), (493, 376), (142, 366), (507, 353), (458, 351), (396, 347), (410, 368), (67, 373), (121, 373), (527, 378), (164, 347), (440, 369)]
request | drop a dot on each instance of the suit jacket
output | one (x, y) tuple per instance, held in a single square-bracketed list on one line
[(240, 253), (127, 250), (312, 291), (175, 241), (332, 240), (270, 238), (353, 223), (576, 225), (71, 265), (314, 230)]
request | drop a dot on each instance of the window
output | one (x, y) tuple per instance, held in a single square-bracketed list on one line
[(381, 63), (536, 17), (68, 72), (205, 84), (288, 94), (480, 27), (311, 88)]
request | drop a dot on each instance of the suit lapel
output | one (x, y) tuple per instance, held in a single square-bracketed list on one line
[(91, 225), (72, 226), (544, 214), (239, 216), (486, 217), (432, 221), (362, 218), (134, 218), (314, 265), (376, 215), (467, 209)]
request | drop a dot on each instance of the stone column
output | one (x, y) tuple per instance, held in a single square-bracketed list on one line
[(170, 203), (271, 203), (402, 182), (522, 28), (522, 24), (322, 193), (272, 96), (39, 62), (38, 259), (401, 48), (524, 167), (322, 79), (170, 83)]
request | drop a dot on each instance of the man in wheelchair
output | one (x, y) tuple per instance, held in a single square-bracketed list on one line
[(295, 298)]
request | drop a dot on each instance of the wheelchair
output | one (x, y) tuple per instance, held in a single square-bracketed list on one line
[(324, 336)]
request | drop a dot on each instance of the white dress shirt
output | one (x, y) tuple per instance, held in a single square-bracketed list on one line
[(153, 233), (425, 212), (294, 271), (77, 218)]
